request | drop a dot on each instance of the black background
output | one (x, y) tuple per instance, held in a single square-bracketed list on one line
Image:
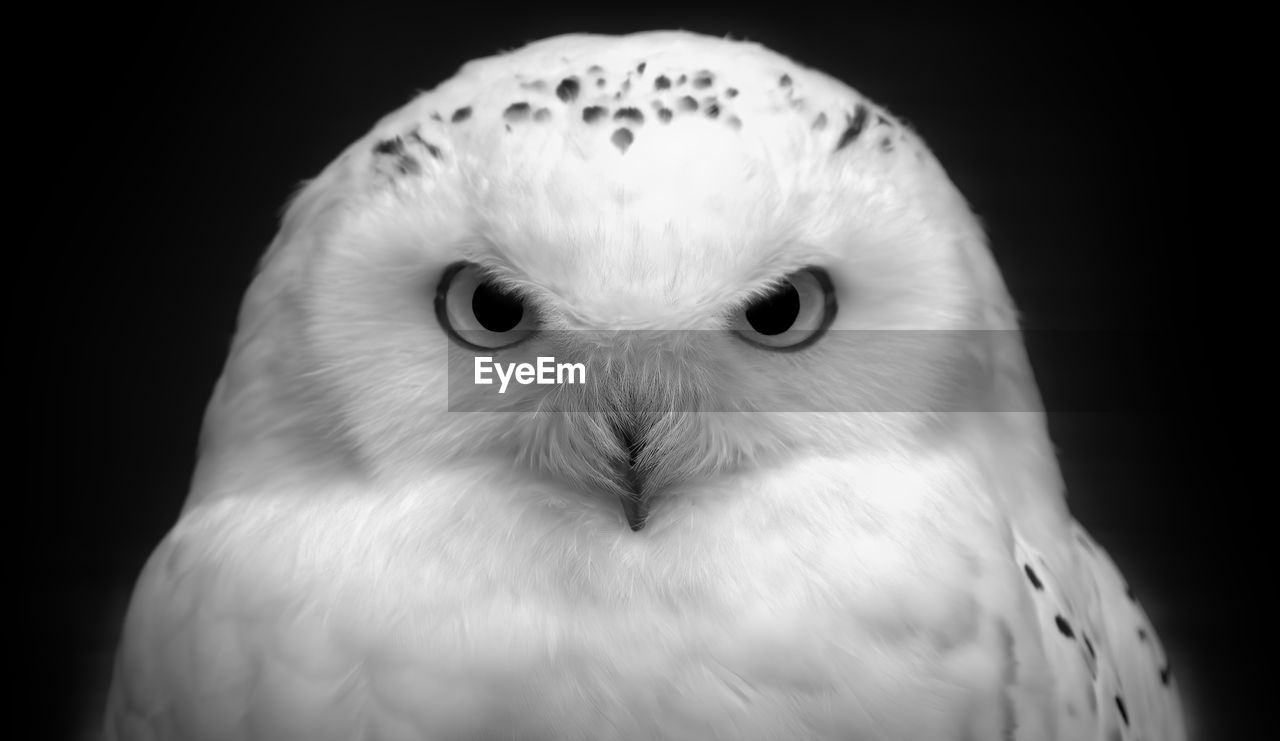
[(172, 139)]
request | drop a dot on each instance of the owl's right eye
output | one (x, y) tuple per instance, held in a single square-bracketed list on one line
[(479, 312), (793, 316)]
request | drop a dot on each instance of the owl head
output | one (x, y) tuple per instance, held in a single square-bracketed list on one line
[(751, 262)]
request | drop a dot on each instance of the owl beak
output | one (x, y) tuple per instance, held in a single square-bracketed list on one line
[(636, 509), (635, 504)]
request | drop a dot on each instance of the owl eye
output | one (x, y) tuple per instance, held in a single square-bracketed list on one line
[(478, 312), (793, 316)]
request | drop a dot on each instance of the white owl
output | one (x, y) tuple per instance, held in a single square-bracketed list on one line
[(803, 488)]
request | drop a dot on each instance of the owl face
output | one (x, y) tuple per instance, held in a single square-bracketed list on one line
[(723, 238)]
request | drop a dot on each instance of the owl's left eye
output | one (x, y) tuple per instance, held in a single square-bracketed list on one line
[(478, 312), (794, 315)]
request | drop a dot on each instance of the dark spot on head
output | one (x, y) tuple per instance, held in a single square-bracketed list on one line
[(640, 68), (462, 114), (886, 145), (542, 114), (661, 83), (599, 82), (682, 79), (1128, 592), (785, 81), (394, 147), (1142, 634), (1165, 673), (436, 117), (703, 79), (734, 122), (432, 149), (594, 113), (1031, 577), (687, 103), (626, 86), (567, 90), (856, 122), (1124, 713), (711, 108), (516, 112), (1084, 542), (731, 92), (1063, 626), (664, 114), (881, 120), (629, 114), (595, 69), (622, 139), (389, 146), (820, 122), (1089, 646)]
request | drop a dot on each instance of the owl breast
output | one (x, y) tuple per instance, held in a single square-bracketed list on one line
[(553, 621)]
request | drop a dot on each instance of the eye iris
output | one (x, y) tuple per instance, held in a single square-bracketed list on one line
[(775, 314), (496, 310)]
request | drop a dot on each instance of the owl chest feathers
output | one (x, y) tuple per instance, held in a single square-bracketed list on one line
[(853, 598)]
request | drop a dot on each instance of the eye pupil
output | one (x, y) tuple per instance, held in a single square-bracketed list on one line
[(776, 313), (495, 309)]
